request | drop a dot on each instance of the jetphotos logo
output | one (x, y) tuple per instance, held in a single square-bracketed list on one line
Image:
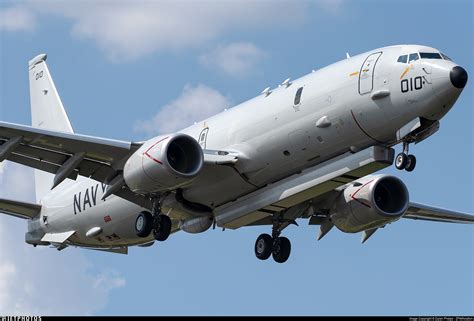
[(21, 318)]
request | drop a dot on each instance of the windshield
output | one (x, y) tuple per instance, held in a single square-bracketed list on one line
[(430, 55)]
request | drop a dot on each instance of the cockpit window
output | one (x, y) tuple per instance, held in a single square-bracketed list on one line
[(446, 57), (403, 59), (430, 55), (413, 57)]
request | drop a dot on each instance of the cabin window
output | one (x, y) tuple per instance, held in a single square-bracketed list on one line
[(430, 55), (413, 57), (298, 96), (403, 59)]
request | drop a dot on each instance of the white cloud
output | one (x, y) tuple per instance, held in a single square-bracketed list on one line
[(193, 105), (42, 280), (17, 19), (130, 29), (127, 30), (108, 280), (16, 182), (235, 59)]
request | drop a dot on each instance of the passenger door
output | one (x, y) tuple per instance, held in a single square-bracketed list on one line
[(366, 74)]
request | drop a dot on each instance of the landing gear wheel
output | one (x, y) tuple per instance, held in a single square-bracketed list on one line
[(411, 163), (281, 249), (161, 227), (401, 161), (144, 224), (263, 246)]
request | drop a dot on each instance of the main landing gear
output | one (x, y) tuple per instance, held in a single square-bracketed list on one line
[(404, 160), (277, 246), (158, 223)]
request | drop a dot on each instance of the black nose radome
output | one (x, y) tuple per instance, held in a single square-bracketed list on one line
[(458, 77)]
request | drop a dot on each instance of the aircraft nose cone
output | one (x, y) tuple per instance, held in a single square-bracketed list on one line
[(458, 77)]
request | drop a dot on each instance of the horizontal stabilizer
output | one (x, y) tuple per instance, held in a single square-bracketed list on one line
[(19, 209), (57, 237)]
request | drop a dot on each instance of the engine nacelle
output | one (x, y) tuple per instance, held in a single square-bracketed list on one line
[(370, 202), (162, 163), (196, 225)]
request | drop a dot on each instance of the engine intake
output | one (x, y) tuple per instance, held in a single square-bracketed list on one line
[(162, 163), (184, 155), (390, 196), (370, 202)]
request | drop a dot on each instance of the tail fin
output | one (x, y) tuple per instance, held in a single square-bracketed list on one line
[(47, 112)]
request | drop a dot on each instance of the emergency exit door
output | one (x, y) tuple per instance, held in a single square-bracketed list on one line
[(366, 74)]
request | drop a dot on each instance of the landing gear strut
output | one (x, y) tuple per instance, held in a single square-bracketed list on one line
[(278, 247), (155, 222), (404, 160)]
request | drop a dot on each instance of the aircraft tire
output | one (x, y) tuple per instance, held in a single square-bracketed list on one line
[(144, 224), (162, 227), (411, 163), (281, 250), (263, 247), (401, 161)]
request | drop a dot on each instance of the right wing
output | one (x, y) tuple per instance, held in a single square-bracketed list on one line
[(68, 155), (428, 213), (98, 158)]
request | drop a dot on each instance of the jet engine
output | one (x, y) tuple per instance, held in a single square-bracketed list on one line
[(163, 163), (370, 202)]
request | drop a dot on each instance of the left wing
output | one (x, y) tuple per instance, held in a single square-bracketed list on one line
[(428, 213)]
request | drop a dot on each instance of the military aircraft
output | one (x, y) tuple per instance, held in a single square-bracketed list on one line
[(306, 149)]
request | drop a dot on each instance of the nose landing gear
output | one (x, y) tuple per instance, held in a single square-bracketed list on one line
[(404, 160)]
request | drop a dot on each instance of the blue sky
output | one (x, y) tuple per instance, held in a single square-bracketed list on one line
[(128, 72)]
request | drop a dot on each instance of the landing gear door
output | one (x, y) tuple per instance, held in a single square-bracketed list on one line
[(366, 74)]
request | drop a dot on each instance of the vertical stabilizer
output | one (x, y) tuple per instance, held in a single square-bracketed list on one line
[(47, 112)]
